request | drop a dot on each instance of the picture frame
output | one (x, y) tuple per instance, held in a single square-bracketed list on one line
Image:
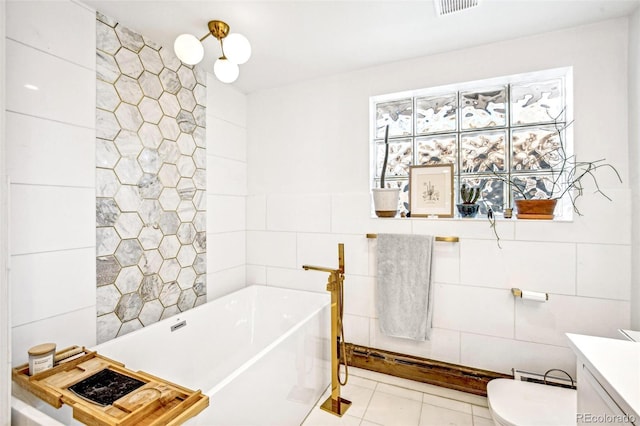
[(431, 190)]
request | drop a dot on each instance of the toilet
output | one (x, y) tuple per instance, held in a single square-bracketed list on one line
[(518, 403)]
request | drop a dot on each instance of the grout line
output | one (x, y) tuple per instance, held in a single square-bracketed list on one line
[(47, 185), (50, 251), (52, 120), (51, 54)]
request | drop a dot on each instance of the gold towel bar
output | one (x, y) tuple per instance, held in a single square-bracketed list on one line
[(440, 239)]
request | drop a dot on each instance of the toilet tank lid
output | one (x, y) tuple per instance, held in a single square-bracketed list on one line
[(514, 402)]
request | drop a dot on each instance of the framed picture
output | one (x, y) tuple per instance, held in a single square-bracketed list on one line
[(431, 190)]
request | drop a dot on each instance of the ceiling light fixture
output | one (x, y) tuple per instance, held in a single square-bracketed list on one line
[(236, 50)]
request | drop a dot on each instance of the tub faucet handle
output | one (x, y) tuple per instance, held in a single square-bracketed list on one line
[(320, 268)]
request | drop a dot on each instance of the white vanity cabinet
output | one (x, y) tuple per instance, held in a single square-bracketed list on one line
[(608, 380)]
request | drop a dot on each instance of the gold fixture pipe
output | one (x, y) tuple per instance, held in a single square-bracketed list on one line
[(439, 239), (320, 268), (335, 404)]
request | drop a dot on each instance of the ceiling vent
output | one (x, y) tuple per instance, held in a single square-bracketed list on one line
[(446, 7)]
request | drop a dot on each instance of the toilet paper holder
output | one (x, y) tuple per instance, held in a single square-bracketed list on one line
[(530, 295)]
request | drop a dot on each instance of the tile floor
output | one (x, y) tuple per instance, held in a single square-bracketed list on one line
[(382, 400)]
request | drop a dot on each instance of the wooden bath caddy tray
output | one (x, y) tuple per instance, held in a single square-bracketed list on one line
[(155, 402)]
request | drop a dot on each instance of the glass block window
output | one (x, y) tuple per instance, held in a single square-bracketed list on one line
[(509, 127)]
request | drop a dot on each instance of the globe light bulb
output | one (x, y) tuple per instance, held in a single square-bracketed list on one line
[(237, 48), (225, 70), (188, 49)]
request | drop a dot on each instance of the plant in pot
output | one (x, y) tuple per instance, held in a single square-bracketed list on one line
[(385, 200), (469, 196), (568, 177)]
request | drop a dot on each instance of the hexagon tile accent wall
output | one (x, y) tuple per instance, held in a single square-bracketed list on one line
[(150, 182)]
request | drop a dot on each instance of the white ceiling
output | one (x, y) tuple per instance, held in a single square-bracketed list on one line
[(299, 40)]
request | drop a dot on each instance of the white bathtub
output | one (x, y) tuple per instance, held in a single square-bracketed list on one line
[(261, 354)]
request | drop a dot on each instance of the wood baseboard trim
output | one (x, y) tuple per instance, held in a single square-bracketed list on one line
[(444, 374)]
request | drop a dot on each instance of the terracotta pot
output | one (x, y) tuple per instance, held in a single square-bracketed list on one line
[(535, 209), (385, 201)]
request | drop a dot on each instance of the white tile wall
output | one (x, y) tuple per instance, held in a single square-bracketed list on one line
[(51, 158), (226, 102), (224, 282), (229, 139), (256, 212), (45, 218), (54, 28), (226, 189), (547, 322), (226, 177), (5, 306), (474, 309), (256, 274), (64, 91), (43, 151), (446, 267), (225, 250), (41, 284), (357, 330), (610, 282), (271, 248), (227, 213), (302, 213), (548, 267), (583, 264), (351, 213), (360, 296)]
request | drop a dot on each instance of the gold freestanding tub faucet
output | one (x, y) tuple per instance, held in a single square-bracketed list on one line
[(335, 404)]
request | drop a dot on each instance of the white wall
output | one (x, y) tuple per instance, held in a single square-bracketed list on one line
[(634, 158), (308, 183), (226, 188), (51, 164), (5, 327)]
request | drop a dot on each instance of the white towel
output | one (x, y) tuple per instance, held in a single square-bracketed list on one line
[(404, 301)]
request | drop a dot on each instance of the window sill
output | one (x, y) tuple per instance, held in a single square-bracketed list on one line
[(497, 216)]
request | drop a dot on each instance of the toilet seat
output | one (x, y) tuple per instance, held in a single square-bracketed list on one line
[(518, 403)]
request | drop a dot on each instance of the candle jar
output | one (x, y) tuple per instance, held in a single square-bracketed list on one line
[(41, 358)]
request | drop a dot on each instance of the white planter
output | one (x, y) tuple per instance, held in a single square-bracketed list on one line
[(385, 201)]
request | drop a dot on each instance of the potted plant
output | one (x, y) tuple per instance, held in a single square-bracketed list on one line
[(385, 200), (469, 196), (568, 179)]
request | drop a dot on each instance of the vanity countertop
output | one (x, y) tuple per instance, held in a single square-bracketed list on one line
[(615, 364)]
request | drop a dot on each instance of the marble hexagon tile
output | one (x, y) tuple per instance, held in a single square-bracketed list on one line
[(150, 182)]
